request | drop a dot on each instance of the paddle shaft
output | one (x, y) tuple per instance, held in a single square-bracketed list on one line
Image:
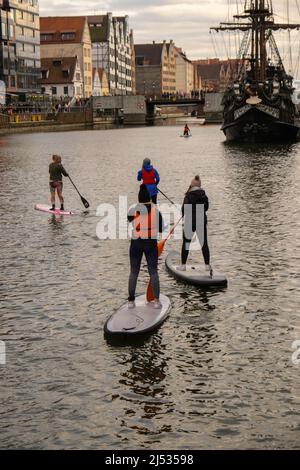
[(166, 197), (84, 201)]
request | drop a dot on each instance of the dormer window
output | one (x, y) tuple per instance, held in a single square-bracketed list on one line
[(66, 73), (57, 63), (67, 36)]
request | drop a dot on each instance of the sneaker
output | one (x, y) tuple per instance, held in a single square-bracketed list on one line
[(157, 304), (131, 304), (181, 268)]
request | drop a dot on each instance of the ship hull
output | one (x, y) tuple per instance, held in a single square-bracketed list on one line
[(257, 126)]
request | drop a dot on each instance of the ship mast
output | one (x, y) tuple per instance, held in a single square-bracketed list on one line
[(258, 18)]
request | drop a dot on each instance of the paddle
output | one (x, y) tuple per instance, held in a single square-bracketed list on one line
[(166, 197), (161, 247), (84, 201)]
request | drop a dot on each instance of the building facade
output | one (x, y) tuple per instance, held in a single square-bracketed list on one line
[(63, 37), (155, 69), (61, 77), (213, 75), (112, 50), (20, 46), (184, 74)]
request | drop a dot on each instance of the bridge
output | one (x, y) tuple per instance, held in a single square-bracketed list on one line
[(175, 102)]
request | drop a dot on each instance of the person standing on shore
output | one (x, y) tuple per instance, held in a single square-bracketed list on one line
[(56, 171), (147, 224), (150, 178), (195, 197)]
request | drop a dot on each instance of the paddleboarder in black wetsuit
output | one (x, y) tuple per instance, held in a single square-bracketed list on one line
[(147, 222), (195, 221), (56, 171)]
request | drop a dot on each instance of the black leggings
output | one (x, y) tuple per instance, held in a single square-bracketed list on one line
[(186, 247), (138, 248)]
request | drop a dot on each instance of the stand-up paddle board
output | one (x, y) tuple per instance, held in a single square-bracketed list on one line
[(47, 209), (142, 319), (194, 275)]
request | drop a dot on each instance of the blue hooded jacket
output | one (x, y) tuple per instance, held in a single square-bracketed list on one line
[(152, 188)]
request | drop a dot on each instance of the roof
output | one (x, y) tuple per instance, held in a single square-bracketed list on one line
[(99, 34), (209, 71), (182, 54), (56, 75), (152, 53), (57, 25)]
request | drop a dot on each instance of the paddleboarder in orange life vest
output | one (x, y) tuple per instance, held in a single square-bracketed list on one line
[(150, 178), (147, 224)]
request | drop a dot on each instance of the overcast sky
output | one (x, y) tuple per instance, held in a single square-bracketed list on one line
[(187, 22)]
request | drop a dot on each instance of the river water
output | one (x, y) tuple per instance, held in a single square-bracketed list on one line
[(219, 373)]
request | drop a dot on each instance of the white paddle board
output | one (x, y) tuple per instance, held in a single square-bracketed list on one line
[(194, 275), (142, 319)]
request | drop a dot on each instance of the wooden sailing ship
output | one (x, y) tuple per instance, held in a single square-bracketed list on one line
[(258, 106)]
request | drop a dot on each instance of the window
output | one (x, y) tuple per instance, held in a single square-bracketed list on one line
[(54, 90), (44, 74), (57, 63), (43, 90), (78, 77), (65, 73), (66, 90), (46, 37), (139, 60), (67, 36)]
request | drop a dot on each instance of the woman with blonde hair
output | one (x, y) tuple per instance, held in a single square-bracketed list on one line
[(56, 171)]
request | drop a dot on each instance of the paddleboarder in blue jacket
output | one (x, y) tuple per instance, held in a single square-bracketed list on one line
[(150, 178)]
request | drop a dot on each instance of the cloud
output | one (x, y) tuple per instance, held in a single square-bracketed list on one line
[(187, 22)]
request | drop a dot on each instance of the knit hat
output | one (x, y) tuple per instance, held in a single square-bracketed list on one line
[(144, 196), (147, 162), (196, 182)]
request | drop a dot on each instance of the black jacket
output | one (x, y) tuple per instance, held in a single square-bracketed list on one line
[(195, 198)]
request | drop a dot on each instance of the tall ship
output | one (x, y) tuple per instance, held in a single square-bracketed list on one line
[(258, 104)]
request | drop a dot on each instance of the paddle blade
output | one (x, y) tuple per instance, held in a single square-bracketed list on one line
[(161, 247), (150, 293), (85, 203)]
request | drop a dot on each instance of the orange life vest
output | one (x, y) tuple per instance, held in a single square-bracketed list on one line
[(145, 226)]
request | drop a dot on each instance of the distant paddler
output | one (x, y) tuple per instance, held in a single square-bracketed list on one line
[(57, 171), (147, 224), (186, 131), (150, 178)]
